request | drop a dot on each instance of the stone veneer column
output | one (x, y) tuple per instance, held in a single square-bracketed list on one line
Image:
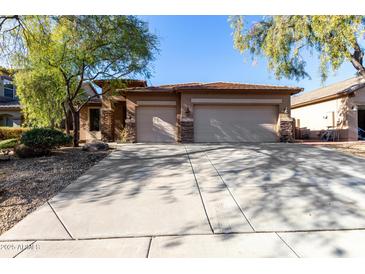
[(286, 130), (130, 127), (187, 130), (107, 125)]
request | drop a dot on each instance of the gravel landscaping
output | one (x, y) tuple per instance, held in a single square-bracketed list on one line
[(353, 148), (26, 184)]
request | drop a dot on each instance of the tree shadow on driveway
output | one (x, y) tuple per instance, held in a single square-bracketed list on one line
[(279, 187)]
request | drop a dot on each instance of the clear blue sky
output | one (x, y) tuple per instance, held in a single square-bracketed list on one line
[(200, 49)]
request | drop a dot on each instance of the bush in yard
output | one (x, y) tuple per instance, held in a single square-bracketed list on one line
[(12, 132), (24, 151), (10, 143), (44, 138)]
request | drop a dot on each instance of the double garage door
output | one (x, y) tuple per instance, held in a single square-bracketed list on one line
[(235, 123), (212, 123)]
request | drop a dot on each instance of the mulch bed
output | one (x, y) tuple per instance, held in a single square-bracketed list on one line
[(26, 184)]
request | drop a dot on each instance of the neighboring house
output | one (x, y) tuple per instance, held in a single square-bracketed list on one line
[(339, 108), (10, 109), (191, 112)]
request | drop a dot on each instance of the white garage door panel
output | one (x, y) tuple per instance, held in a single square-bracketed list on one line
[(156, 124), (235, 123)]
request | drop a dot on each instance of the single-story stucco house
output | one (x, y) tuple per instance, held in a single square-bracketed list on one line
[(339, 108), (190, 112)]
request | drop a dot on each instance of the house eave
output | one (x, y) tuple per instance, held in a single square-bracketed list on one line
[(323, 99)]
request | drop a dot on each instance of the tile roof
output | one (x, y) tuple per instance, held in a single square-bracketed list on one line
[(343, 87), (216, 86)]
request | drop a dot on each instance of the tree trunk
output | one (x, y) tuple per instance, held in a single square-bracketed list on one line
[(358, 66), (76, 128), (67, 125), (67, 119), (357, 58)]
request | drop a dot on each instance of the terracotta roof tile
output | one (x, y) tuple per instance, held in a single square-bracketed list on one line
[(346, 86), (215, 86)]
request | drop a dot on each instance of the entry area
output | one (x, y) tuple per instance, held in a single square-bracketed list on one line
[(361, 122), (235, 123), (156, 124)]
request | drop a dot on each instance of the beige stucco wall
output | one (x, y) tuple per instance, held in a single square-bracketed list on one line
[(320, 116), (186, 98), (85, 133), (132, 98), (345, 115)]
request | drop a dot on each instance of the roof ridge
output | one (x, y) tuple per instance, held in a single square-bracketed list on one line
[(334, 84), (246, 83), (346, 86), (223, 82)]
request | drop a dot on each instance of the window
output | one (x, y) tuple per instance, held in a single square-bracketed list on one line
[(9, 90), (8, 122), (94, 119)]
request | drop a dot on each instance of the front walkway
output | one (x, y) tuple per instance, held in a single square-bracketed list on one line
[(252, 200)]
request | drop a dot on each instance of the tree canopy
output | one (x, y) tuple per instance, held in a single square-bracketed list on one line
[(283, 40), (41, 93), (78, 49)]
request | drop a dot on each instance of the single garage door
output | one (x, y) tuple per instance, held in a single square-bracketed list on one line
[(156, 124), (227, 123)]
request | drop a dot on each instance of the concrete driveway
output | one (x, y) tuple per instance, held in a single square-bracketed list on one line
[(248, 200)]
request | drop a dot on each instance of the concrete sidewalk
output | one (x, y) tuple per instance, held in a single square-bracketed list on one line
[(335, 244)]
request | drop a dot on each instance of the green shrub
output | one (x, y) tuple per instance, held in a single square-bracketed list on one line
[(10, 143), (23, 151), (11, 132), (44, 138)]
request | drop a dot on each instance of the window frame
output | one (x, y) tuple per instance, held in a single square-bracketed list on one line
[(6, 87)]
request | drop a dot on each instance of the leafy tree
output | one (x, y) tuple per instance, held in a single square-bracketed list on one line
[(282, 40), (41, 94), (86, 48)]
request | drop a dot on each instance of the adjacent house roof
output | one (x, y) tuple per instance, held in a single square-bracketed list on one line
[(329, 92), (215, 86), (9, 103)]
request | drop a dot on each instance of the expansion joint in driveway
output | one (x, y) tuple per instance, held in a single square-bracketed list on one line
[(230, 192), (21, 251), (296, 254), (149, 247), (200, 193), (59, 219)]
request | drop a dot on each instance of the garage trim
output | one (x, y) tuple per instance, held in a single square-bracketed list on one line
[(235, 101), (156, 103)]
